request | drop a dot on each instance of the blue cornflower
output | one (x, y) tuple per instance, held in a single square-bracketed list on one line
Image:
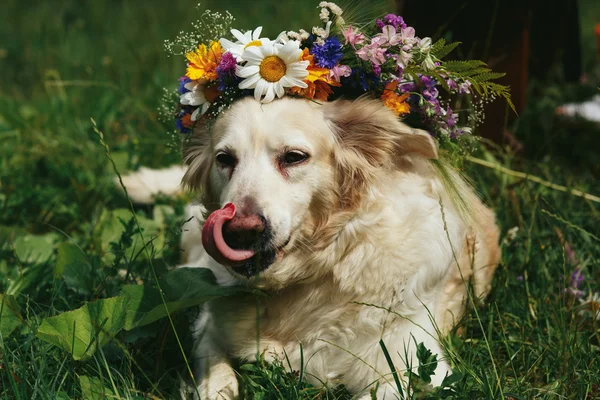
[(328, 54), (182, 82)]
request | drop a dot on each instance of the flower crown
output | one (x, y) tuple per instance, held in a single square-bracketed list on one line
[(384, 59)]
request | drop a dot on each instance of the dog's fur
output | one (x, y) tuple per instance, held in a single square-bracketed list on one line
[(369, 245)]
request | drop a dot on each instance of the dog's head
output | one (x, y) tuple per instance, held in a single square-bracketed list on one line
[(272, 175)]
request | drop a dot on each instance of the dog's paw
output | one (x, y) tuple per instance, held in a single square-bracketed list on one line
[(219, 384)]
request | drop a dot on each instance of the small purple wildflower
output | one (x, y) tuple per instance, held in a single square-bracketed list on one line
[(328, 54), (451, 118), (380, 24), (407, 87), (227, 65), (520, 278), (451, 84), (464, 87), (376, 69), (577, 278), (226, 70)]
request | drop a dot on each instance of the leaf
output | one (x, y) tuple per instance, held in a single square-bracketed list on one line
[(10, 316), (35, 248), (82, 331), (110, 228), (73, 266), (93, 389), (182, 288), (445, 50), (427, 363)]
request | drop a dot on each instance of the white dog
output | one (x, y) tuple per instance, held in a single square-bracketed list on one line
[(337, 212)]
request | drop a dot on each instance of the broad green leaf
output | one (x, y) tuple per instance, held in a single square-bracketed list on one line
[(10, 317), (81, 332), (73, 266), (110, 228), (182, 288), (35, 248), (93, 389)]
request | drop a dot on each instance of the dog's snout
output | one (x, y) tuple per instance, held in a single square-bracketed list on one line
[(244, 231), (248, 224)]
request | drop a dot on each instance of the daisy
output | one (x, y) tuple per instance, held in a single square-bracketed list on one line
[(196, 96), (244, 40), (272, 67), (591, 305)]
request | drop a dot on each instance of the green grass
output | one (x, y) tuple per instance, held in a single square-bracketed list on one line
[(62, 63)]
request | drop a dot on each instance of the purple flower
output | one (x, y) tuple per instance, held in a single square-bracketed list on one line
[(226, 70), (576, 278), (451, 84), (520, 278), (430, 91), (328, 54), (464, 87), (407, 87), (182, 81), (376, 69), (227, 65), (451, 118), (395, 20)]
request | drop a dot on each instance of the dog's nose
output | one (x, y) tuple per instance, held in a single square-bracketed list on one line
[(251, 223), (244, 231)]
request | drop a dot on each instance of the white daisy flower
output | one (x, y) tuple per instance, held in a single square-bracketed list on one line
[(272, 67), (195, 97), (244, 40), (591, 305)]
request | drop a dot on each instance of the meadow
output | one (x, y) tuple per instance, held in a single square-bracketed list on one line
[(69, 240)]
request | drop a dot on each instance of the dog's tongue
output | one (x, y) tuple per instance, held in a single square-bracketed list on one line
[(215, 245)]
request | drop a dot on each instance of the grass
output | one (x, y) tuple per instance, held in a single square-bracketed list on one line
[(63, 63)]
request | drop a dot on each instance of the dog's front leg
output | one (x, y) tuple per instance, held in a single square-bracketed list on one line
[(215, 378)]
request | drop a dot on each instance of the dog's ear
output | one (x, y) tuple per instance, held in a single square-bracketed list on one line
[(370, 138), (197, 155)]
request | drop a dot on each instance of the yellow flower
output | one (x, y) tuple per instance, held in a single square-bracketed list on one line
[(204, 61), (397, 103)]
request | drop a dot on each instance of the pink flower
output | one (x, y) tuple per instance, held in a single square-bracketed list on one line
[(408, 36), (353, 37), (372, 52), (389, 35), (339, 71)]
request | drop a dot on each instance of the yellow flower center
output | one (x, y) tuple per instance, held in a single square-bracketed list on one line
[(253, 43), (272, 69)]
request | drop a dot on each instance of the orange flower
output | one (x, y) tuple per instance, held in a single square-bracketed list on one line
[(203, 62), (186, 121), (319, 84), (397, 103)]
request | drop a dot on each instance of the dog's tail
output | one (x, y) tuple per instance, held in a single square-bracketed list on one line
[(143, 185)]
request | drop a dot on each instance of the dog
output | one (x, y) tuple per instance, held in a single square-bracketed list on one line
[(337, 212)]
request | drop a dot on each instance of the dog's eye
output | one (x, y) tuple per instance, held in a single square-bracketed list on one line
[(226, 160), (294, 157)]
